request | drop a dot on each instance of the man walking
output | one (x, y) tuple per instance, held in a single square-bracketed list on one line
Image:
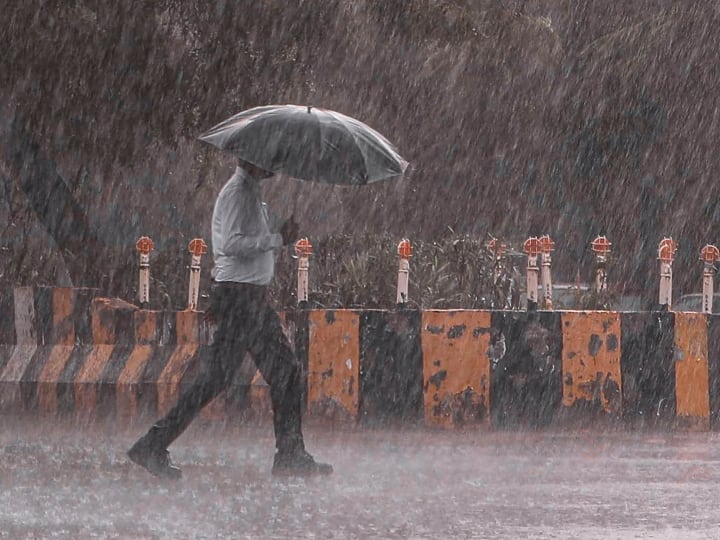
[(244, 264)]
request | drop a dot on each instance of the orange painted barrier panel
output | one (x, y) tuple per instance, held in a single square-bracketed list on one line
[(333, 364), (591, 354), (692, 392), (456, 367)]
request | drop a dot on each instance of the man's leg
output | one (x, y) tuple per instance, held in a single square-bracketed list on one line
[(282, 371), (218, 366), (150, 451)]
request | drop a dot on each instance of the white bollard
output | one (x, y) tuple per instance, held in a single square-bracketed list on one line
[(666, 255), (601, 248), (546, 246), (197, 247), (303, 250), (709, 255), (144, 245), (404, 251), (532, 248)]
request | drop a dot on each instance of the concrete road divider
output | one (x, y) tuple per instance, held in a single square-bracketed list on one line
[(70, 353)]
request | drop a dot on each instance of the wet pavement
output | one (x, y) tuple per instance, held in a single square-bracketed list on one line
[(61, 481)]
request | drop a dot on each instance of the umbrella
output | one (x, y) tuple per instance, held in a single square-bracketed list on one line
[(308, 143)]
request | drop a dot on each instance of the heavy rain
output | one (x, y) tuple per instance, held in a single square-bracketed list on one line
[(489, 281)]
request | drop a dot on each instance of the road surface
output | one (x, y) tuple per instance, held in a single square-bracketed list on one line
[(61, 481)]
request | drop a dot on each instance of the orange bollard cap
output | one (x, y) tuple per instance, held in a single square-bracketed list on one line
[(601, 245), (709, 254), (303, 247), (532, 245), (546, 244), (667, 249), (144, 245), (197, 247), (404, 249)]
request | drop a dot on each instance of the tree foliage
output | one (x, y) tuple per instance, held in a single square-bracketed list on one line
[(519, 118)]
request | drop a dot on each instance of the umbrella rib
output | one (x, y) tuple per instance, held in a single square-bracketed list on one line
[(366, 146), (341, 125)]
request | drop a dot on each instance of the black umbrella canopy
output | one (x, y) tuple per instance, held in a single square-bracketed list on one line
[(308, 143)]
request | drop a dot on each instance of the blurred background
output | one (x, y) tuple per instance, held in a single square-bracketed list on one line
[(519, 118)]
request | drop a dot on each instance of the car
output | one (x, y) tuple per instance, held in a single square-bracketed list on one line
[(570, 296), (694, 302)]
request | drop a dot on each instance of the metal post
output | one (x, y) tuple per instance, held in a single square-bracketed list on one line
[(197, 248), (532, 248), (666, 255), (303, 250), (404, 251), (709, 254), (144, 245), (546, 246)]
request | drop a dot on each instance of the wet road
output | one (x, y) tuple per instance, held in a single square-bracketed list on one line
[(59, 481)]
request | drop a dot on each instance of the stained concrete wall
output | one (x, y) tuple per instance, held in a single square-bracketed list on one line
[(70, 353)]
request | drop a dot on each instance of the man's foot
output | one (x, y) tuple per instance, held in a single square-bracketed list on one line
[(298, 463), (156, 462)]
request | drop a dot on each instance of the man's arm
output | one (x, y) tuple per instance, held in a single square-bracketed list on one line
[(243, 244)]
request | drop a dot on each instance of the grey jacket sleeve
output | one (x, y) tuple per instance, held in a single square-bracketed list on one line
[(238, 244)]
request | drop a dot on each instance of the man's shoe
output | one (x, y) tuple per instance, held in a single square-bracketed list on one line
[(298, 463), (156, 462)]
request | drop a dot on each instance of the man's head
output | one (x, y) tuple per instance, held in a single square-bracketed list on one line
[(254, 171)]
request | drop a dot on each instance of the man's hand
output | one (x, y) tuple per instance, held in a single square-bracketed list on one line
[(290, 231)]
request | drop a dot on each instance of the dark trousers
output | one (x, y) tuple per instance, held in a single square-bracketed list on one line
[(245, 323)]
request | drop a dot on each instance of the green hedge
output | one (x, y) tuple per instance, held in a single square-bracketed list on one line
[(355, 271), (361, 271)]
